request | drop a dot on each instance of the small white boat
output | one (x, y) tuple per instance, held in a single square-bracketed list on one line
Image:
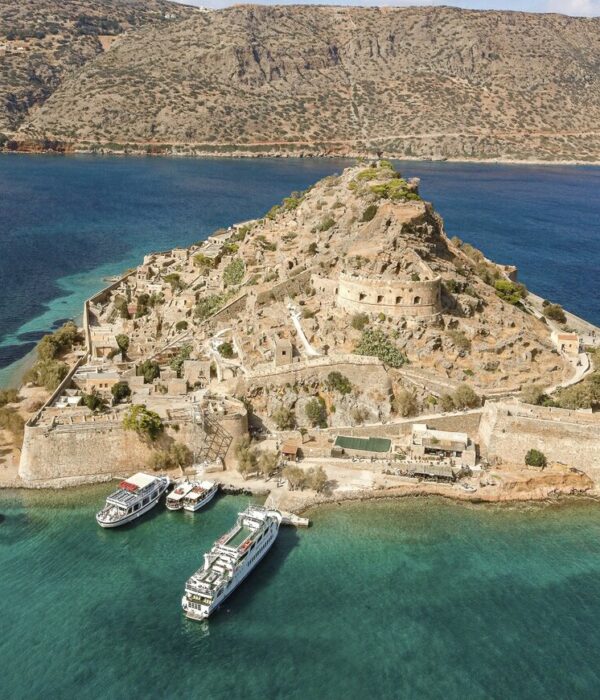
[(175, 498), (199, 495), (134, 497)]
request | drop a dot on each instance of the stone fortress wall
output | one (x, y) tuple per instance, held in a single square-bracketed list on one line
[(56, 455), (395, 298), (508, 431)]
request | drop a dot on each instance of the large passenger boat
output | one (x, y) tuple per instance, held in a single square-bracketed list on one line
[(230, 560), (134, 497), (200, 494)]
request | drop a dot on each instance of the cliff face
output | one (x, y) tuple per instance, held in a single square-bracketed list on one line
[(405, 81)]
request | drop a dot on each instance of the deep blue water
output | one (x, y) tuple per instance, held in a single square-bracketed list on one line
[(65, 223), (419, 599)]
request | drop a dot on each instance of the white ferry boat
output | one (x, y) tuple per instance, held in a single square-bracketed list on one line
[(200, 494), (134, 497), (176, 497), (230, 560)]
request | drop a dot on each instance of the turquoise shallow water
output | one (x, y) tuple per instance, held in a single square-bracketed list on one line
[(409, 599)]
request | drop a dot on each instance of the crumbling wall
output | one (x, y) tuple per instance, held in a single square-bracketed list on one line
[(360, 370), (281, 290)]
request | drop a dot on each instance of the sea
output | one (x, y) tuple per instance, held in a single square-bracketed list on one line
[(69, 223), (415, 598)]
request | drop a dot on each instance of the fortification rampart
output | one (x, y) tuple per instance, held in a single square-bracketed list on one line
[(395, 298), (63, 454), (508, 431), (364, 371)]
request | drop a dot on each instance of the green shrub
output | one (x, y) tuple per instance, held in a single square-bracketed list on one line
[(555, 312), (146, 423), (174, 279), (149, 369), (120, 391), (284, 418), (535, 458), (181, 325), (122, 341), (59, 342), (359, 321), (93, 401), (226, 350), (209, 305), (183, 354), (375, 343), (47, 373), (510, 292), (326, 224), (203, 262), (233, 274), (369, 213), (336, 381), (316, 412), (465, 397)]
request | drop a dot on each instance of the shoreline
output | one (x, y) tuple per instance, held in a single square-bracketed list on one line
[(303, 156), (307, 501)]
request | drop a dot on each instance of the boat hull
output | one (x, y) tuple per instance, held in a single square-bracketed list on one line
[(133, 516)]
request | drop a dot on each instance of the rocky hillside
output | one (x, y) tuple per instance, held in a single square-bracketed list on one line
[(349, 293), (43, 40), (433, 82)]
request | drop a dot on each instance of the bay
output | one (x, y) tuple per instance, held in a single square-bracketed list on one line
[(419, 598)]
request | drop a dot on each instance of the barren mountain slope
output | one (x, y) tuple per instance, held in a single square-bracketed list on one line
[(412, 81), (41, 40)]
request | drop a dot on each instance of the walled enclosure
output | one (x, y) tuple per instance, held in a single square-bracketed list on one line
[(395, 298), (508, 431)]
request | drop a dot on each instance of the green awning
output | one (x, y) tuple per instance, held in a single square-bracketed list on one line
[(372, 444)]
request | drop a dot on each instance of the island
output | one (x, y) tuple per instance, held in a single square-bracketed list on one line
[(342, 346)]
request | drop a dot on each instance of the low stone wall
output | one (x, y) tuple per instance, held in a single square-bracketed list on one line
[(508, 431), (282, 290), (231, 310), (361, 370)]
